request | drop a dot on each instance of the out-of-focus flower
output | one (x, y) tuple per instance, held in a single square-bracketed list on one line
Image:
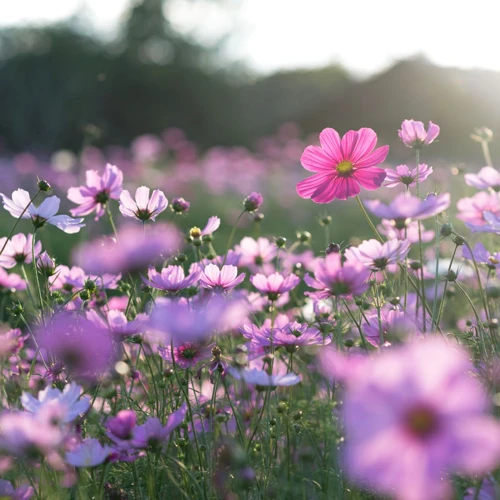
[(333, 279), (143, 208), (253, 202), (263, 379), (121, 427), (405, 208), (491, 224), (98, 191), (482, 256), (172, 278), (180, 205), (275, 284), (471, 210), (220, 279), (408, 232), (69, 399), (377, 256), (342, 166), (186, 354), (11, 342), (413, 134), (116, 322), (134, 249), (412, 397), (403, 175), (482, 134), (7, 491), (487, 177), (11, 282), (256, 253), (18, 250), (44, 214), (89, 453)]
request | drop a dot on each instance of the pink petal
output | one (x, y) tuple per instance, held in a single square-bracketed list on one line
[(432, 133), (348, 143), (367, 139), (375, 158), (316, 159), (142, 197), (370, 178), (330, 142), (307, 187)]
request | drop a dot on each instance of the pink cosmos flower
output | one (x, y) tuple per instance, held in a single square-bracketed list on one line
[(98, 191), (172, 278), (18, 250), (405, 208), (143, 208), (408, 423), (342, 166), (11, 342), (256, 253), (89, 453), (472, 209), (212, 225), (11, 282), (116, 322), (378, 256), (275, 284), (409, 231), (186, 354), (487, 177), (44, 214), (403, 175), (220, 279), (263, 379), (491, 224), (413, 134), (333, 279), (122, 426)]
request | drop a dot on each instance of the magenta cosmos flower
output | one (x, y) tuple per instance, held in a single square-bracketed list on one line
[(333, 279), (18, 250), (408, 423), (487, 177), (342, 166), (413, 134), (377, 256), (220, 279), (144, 207), (406, 176), (275, 284), (98, 190)]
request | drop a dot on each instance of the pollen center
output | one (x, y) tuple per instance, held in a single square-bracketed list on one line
[(345, 168)]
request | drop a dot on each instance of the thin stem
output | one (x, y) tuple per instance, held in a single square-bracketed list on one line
[(367, 217), (111, 220), (231, 236), (35, 272)]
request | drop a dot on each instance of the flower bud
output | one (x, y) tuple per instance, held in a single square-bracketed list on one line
[(451, 275), (45, 264), (180, 205), (482, 134), (280, 242), (258, 218), (325, 220), (253, 201), (415, 265), (446, 229), (304, 236), (459, 240), (43, 185)]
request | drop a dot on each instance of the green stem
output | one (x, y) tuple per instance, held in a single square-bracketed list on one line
[(231, 236), (37, 281), (367, 217)]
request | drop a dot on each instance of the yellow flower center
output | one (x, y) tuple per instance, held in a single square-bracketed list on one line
[(345, 168)]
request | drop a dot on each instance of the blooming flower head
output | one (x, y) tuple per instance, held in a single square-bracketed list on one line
[(333, 279), (341, 166), (121, 426), (395, 326), (144, 207), (11, 282), (263, 379), (172, 278), (89, 453), (7, 491), (491, 224), (256, 253), (220, 279), (275, 284), (408, 231), (18, 250), (20, 206), (377, 256), (69, 399), (487, 177), (413, 398), (403, 175), (186, 354), (99, 189), (413, 134), (471, 210), (116, 322), (11, 342), (212, 225)]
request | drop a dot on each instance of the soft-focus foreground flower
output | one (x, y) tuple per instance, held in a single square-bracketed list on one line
[(44, 214), (487, 177), (220, 279), (262, 378), (413, 134), (403, 175), (89, 453), (7, 491), (18, 250), (409, 423), (68, 399), (471, 210), (333, 279), (98, 191), (133, 249), (11, 282), (491, 224), (378, 256), (144, 207), (342, 166)]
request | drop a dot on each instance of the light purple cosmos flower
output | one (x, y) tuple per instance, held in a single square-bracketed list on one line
[(18, 250), (122, 426), (333, 279), (408, 423), (116, 322), (11, 282), (396, 325), (69, 399), (172, 278), (186, 354), (220, 279), (263, 379), (405, 208), (76, 278), (275, 284), (7, 491), (143, 208), (487, 177), (134, 249), (403, 175), (89, 453), (212, 225), (388, 229), (44, 214), (491, 224), (472, 209), (482, 256), (413, 134), (98, 191), (377, 256), (256, 253)]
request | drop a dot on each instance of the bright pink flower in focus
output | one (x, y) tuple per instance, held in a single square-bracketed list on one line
[(143, 208), (408, 423), (98, 190), (18, 250), (342, 166), (220, 279), (275, 284), (403, 175), (413, 134), (377, 256)]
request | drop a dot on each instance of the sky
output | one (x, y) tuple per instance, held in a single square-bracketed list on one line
[(363, 35)]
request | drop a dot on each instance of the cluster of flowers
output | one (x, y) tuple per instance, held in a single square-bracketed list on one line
[(229, 371)]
